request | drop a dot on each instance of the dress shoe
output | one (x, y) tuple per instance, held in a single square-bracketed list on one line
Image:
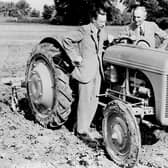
[(91, 137), (88, 140), (95, 133), (85, 136)]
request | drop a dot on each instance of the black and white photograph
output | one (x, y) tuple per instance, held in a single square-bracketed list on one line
[(83, 83)]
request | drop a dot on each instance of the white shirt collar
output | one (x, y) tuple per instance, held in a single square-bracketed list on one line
[(93, 28)]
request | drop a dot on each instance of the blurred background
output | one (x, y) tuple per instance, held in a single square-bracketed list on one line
[(77, 12)]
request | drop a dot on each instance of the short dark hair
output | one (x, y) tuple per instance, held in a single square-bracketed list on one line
[(98, 8)]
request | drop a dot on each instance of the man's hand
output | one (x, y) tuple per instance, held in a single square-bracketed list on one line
[(77, 61), (110, 38), (133, 37)]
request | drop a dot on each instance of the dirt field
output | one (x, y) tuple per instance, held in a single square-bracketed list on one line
[(26, 144)]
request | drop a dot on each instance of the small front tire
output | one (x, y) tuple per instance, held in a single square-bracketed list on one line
[(121, 134)]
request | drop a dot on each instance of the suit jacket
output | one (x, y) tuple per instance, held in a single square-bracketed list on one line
[(84, 43), (150, 30)]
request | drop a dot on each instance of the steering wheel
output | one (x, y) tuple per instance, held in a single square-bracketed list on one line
[(125, 40), (143, 43)]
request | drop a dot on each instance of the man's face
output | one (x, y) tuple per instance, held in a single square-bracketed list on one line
[(100, 21), (139, 17)]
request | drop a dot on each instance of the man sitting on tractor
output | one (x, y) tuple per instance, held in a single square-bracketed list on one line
[(141, 29)]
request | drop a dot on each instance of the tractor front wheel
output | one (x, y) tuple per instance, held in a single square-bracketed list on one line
[(121, 134)]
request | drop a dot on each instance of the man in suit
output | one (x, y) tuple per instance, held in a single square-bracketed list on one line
[(84, 47), (142, 29)]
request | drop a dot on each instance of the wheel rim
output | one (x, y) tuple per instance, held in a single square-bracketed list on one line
[(40, 86), (118, 139), (121, 134)]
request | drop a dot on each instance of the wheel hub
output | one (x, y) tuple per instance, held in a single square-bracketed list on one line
[(117, 134), (118, 137), (35, 87), (41, 86)]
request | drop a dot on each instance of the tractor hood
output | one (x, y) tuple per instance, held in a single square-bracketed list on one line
[(149, 59)]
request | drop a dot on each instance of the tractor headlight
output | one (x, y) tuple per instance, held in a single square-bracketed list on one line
[(111, 74)]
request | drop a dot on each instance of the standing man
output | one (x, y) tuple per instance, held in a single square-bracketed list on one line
[(142, 29), (84, 47)]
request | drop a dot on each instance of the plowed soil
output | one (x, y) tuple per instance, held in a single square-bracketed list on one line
[(25, 143)]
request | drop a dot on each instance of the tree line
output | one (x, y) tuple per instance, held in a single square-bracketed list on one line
[(76, 12), (19, 9)]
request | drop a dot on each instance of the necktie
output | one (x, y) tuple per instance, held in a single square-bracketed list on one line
[(98, 35), (141, 32)]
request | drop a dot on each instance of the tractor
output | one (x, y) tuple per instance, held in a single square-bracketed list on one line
[(135, 89)]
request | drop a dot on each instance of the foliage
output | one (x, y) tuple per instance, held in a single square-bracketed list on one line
[(73, 12), (19, 9), (14, 13), (77, 12), (35, 13), (23, 7), (126, 18), (47, 11), (114, 16), (162, 22), (153, 8)]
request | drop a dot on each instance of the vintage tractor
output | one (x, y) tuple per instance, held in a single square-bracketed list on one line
[(135, 88)]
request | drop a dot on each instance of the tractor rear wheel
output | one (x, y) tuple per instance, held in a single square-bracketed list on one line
[(48, 90), (121, 134)]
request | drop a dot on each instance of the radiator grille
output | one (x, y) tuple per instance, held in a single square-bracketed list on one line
[(166, 109)]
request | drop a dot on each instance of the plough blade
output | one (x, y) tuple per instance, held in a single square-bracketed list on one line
[(18, 82)]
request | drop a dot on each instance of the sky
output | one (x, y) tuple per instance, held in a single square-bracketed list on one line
[(37, 4)]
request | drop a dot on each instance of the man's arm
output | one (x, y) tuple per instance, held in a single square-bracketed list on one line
[(70, 44), (128, 32), (162, 34)]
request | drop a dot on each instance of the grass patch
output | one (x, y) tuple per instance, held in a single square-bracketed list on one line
[(28, 20)]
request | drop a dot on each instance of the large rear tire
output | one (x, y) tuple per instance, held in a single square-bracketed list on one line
[(48, 90), (121, 134)]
